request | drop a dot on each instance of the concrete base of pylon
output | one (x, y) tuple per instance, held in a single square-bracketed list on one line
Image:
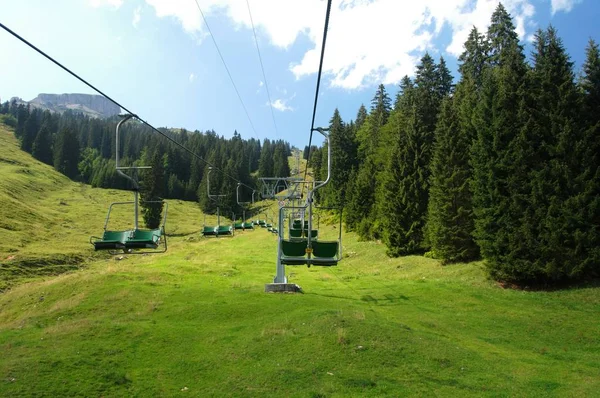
[(282, 288)]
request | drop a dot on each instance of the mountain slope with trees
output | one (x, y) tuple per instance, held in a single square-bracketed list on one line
[(502, 165)]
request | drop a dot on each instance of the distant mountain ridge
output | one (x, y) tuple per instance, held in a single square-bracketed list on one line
[(90, 105)]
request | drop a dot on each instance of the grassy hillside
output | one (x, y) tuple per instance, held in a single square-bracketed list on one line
[(46, 219), (196, 321)]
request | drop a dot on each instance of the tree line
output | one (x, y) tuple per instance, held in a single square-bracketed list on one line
[(503, 165), (83, 149)]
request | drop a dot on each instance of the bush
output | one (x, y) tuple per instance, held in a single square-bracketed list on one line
[(8, 120)]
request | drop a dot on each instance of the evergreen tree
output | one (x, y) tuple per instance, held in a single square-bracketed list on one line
[(381, 106), (30, 130), (360, 202), (502, 37), (265, 164), (498, 158), (42, 145), (405, 189), (474, 59), (590, 84), (361, 116), (445, 85), (152, 189), (450, 213), (281, 165), (66, 153), (343, 155), (554, 245), (450, 224), (588, 179)]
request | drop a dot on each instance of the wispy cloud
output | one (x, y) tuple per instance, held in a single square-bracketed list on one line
[(193, 77), (563, 5), (137, 16), (281, 104), (100, 3)]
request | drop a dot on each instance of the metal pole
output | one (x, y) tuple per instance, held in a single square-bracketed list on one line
[(135, 208), (280, 276), (208, 181), (119, 171)]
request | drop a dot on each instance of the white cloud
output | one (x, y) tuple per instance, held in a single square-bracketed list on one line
[(185, 11), (369, 41), (100, 3), (193, 77), (137, 16), (261, 83), (563, 5), (281, 104)]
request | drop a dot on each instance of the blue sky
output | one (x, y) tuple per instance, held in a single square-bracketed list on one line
[(156, 58)]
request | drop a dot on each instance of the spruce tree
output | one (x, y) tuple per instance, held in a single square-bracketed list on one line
[(359, 206), (501, 37), (361, 116), (450, 224), (444, 86), (22, 114), (557, 212), (29, 132), (406, 176), (66, 153), (450, 214), (588, 199), (499, 158), (42, 145), (152, 189), (381, 106), (343, 154), (265, 164), (475, 57), (281, 164)]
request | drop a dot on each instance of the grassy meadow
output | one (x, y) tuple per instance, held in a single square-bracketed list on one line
[(196, 321)]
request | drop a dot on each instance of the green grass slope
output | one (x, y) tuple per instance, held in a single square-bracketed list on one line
[(46, 219), (196, 321)]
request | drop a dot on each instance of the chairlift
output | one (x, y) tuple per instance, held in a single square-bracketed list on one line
[(135, 240), (218, 230), (244, 205), (303, 247)]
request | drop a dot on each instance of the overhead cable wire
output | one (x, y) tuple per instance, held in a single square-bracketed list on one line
[(262, 67), (312, 125), (227, 69), (118, 104)]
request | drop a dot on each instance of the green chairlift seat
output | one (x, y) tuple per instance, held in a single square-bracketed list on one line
[(293, 252), (248, 225), (224, 230), (297, 224), (295, 233), (262, 223), (209, 231), (111, 240), (325, 253), (144, 239), (313, 235), (238, 225)]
